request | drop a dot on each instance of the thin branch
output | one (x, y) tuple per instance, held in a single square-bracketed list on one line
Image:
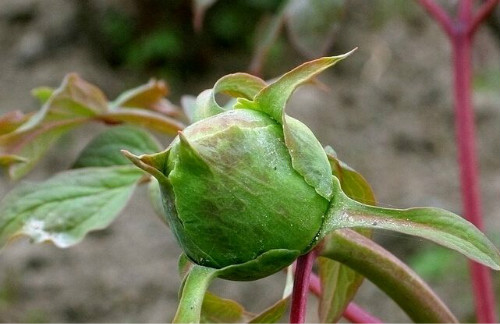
[(484, 296), (465, 10), (484, 11), (439, 15), (301, 287), (356, 314), (315, 285)]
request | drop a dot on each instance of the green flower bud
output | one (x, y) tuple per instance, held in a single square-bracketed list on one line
[(236, 192), (246, 188)]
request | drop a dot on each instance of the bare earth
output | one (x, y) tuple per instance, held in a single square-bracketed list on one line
[(388, 114)]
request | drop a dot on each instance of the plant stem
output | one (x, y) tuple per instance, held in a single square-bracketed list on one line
[(301, 287), (471, 199), (354, 313), (390, 274), (460, 34)]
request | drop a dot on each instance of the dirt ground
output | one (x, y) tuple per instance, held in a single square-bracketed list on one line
[(388, 114)]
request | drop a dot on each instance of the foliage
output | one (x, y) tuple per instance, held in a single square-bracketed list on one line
[(212, 183)]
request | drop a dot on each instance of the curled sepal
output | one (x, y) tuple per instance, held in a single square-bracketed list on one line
[(237, 85), (192, 293), (308, 157), (273, 98), (197, 279), (215, 309), (437, 225)]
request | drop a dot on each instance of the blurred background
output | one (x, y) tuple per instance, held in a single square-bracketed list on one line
[(387, 111)]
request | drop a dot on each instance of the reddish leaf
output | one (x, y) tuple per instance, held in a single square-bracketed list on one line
[(11, 121), (144, 118), (32, 144), (145, 96)]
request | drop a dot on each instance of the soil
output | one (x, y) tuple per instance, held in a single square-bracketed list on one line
[(387, 113)]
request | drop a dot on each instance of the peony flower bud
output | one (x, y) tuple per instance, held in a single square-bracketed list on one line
[(247, 182)]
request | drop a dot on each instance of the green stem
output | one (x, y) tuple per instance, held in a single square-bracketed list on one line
[(390, 274), (193, 291)]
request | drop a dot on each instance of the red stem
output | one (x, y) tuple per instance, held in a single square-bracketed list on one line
[(356, 314), (460, 35), (301, 287), (471, 199), (353, 312)]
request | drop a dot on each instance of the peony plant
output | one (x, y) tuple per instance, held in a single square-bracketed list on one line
[(245, 188)]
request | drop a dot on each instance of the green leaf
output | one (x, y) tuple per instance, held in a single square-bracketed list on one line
[(438, 225), (66, 207), (42, 94), (221, 310), (339, 285), (389, 273), (312, 25), (353, 184), (237, 85), (273, 314), (105, 149), (144, 96)]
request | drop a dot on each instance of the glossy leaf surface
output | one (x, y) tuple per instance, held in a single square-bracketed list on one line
[(66, 207), (105, 149), (272, 314), (221, 310), (438, 225)]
